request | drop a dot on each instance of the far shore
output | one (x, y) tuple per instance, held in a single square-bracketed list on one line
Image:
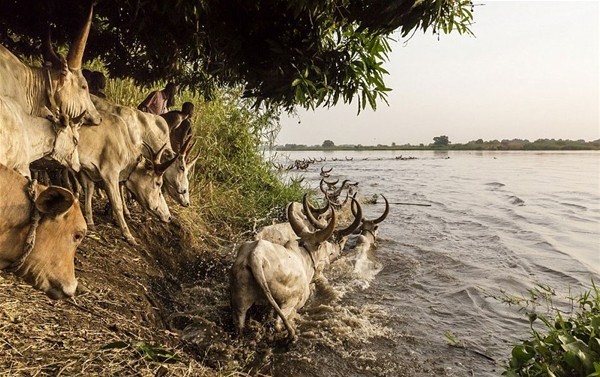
[(505, 145)]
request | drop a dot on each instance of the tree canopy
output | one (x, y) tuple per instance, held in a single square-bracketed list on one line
[(298, 52)]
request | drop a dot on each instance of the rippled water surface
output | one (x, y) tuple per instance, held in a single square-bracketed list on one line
[(496, 221)]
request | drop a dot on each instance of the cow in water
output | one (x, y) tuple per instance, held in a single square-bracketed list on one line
[(280, 276), (49, 266)]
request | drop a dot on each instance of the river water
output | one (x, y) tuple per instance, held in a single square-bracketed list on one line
[(497, 222), (492, 228)]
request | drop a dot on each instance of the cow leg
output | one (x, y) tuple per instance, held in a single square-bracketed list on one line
[(114, 196), (66, 182), (289, 309), (88, 188), (124, 201)]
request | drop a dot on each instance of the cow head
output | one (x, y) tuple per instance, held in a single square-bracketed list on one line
[(67, 138), (176, 176), (315, 243), (146, 181), (69, 88), (50, 266), (371, 226)]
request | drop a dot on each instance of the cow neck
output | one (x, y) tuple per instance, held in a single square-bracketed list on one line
[(43, 132), (36, 85), (31, 233), (367, 231)]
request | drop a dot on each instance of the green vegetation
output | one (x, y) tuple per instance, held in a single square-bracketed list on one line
[(233, 183), (563, 343), (284, 53), (475, 145)]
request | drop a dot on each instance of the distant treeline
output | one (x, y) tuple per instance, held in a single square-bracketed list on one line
[(474, 145)]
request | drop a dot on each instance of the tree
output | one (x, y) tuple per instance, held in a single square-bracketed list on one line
[(298, 52), (328, 144), (441, 141)]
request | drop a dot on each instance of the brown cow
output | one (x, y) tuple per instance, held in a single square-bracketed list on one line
[(50, 265)]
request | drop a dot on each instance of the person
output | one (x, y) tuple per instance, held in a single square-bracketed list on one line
[(96, 82), (179, 124), (159, 101)]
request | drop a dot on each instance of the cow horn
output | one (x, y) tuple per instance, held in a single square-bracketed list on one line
[(355, 224), (353, 205), (385, 213), (149, 149), (184, 147), (75, 56), (331, 183), (297, 227), (339, 191), (323, 235), (49, 53), (159, 168), (159, 154), (323, 190), (309, 214), (325, 171)]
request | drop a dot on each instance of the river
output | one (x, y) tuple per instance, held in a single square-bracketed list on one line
[(497, 222)]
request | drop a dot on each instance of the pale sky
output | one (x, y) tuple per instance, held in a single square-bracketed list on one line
[(530, 72)]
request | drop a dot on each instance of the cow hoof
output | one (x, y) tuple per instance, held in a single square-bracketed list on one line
[(293, 338), (91, 227)]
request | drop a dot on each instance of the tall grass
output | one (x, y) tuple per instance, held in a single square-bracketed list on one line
[(233, 185)]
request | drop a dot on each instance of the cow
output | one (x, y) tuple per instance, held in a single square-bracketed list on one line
[(59, 80), (368, 229), (49, 266), (281, 233), (40, 137), (109, 155), (267, 273), (154, 131)]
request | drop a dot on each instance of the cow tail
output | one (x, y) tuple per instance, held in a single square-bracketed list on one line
[(256, 266)]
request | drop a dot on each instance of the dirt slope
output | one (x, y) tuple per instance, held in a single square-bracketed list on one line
[(121, 322)]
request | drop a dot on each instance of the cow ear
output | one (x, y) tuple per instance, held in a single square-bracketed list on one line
[(54, 201)]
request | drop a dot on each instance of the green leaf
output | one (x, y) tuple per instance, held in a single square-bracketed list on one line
[(115, 345)]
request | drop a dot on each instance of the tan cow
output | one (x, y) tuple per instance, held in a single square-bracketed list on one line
[(280, 276), (61, 81), (27, 138), (153, 130), (50, 265), (109, 155)]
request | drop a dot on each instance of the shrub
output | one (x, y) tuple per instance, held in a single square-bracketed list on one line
[(569, 347)]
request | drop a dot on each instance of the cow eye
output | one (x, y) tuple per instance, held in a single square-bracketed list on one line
[(158, 183), (182, 168), (84, 87), (75, 141), (78, 237)]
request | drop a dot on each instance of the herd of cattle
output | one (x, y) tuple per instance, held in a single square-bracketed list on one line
[(50, 122)]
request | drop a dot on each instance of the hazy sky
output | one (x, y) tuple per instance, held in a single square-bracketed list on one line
[(531, 72)]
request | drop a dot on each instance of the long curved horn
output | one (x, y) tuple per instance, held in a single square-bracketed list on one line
[(339, 190), (49, 53), (353, 205), (159, 154), (309, 215), (385, 213), (323, 235), (331, 183), (160, 168), (355, 224), (323, 190), (297, 227), (149, 149), (75, 56), (325, 171)]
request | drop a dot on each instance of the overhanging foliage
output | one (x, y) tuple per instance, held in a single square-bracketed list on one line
[(303, 52)]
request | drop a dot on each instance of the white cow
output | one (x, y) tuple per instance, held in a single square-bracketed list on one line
[(27, 138), (280, 276)]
